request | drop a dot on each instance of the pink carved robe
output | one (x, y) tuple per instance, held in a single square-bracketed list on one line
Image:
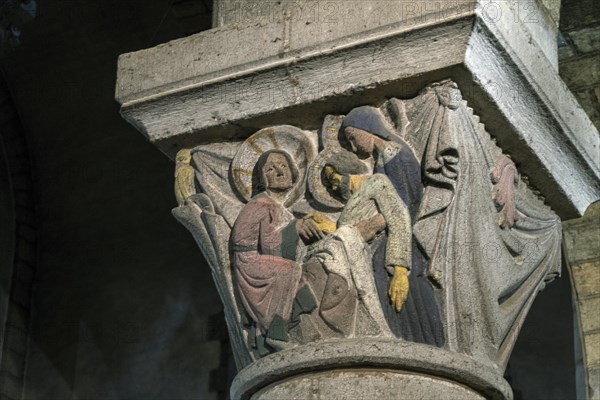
[(264, 243)]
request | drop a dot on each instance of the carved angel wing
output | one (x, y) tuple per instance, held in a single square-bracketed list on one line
[(209, 216), (212, 163)]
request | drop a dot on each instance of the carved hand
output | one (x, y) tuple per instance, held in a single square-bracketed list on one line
[(324, 224), (398, 290), (308, 229)]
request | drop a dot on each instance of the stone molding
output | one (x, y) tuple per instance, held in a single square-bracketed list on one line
[(375, 354), (227, 81)]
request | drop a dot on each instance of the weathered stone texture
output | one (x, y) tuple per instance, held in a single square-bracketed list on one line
[(590, 102), (373, 384), (578, 13), (592, 350), (456, 373), (579, 61), (594, 384), (586, 39), (581, 72), (552, 7), (581, 240), (589, 312), (586, 277), (582, 251)]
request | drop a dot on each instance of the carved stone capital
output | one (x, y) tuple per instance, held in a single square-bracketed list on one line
[(354, 210)]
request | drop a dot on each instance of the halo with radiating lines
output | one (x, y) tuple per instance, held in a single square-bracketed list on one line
[(288, 138)]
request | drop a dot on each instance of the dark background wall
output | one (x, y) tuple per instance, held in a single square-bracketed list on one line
[(122, 295), (124, 306)]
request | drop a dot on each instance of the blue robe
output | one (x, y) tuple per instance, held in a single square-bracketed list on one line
[(420, 319)]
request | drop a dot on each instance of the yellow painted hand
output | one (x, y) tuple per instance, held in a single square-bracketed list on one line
[(398, 289), (334, 177), (356, 182), (324, 224)]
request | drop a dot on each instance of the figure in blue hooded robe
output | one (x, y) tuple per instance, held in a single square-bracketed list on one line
[(365, 130)]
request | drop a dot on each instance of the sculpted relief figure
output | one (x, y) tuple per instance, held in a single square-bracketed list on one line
[(263, 242), (402, 221), (370, 136)]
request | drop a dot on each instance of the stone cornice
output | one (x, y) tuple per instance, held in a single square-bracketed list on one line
[(229, 81)]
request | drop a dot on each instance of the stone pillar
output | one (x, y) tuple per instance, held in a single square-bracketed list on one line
[(377, 186), (582, 253)]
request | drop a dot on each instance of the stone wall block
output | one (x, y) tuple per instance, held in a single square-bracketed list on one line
[(586, 277), (590, 314), (581, 241), (594, 384), (592, 350), (581, 12), (589, 101), (581, 72), (586, 39)]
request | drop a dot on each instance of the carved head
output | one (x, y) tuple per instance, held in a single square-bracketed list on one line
[(184, 156), (276, 171), (361, 141), (448, 93), (362, 128), (344, 163)]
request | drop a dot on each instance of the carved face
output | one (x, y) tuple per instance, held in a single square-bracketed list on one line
[(449, 95), (277, 173), (184, 156), (362, 142)]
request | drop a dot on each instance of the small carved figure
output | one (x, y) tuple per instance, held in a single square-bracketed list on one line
[(505, 178), (184, 176)]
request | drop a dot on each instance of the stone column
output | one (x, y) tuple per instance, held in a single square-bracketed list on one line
[(582, 253), (262, 115)]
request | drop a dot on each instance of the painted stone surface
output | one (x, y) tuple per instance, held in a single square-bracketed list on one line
[(403, 221)]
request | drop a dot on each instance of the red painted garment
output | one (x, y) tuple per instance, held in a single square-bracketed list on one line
[(266, 281)]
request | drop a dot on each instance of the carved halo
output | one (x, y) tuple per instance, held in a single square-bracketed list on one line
[(283, 137)]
